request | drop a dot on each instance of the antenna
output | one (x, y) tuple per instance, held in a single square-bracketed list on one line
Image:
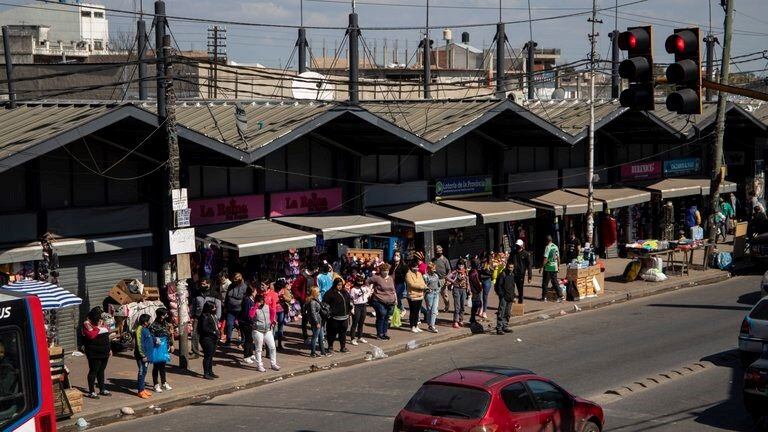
[(457, 368)]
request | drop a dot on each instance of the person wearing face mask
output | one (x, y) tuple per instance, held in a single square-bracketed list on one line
[(442, 269), (262, 333), (414, 280), (459, 283), (398, 269), (431, 296), (384, 299), (300, 289), (523, 265), (234, 302), (336, 326)]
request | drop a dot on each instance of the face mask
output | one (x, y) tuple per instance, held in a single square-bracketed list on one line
[(414, 269), (397, 258)]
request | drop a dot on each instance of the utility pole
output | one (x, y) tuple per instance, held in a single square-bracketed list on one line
[(591, 145), (9, 68), (160, 64), (353, 31), (141, 36), (615, 78), (718, 171), (426, 46), (301, 43), (531, 52), (501, 38), (710, 40)]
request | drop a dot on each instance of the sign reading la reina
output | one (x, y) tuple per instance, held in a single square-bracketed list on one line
[(304, 202), (229, 209)]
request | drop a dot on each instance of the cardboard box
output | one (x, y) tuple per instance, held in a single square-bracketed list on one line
[(151, 293), (518, 309), (122, 295), (577, 273), (594, 271)]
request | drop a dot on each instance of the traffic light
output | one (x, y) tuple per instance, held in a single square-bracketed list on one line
[(637, 68), (685, 72)]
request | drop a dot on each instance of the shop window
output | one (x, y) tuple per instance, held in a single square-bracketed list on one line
[(240, 181), (475, 158), (388, 168), (88, 188), (322, 166), (123, 191), (214, 181), (457, 160), (510, 160), (525, 160), (542, 158), (579, 155), (563, 157), (13, 193)]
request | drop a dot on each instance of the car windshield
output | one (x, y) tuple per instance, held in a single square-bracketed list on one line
[(760, 311), (449, 401)]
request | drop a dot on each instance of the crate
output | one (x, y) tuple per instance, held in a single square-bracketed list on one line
[(151, 293)]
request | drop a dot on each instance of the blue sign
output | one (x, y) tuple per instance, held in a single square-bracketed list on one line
[(462, 186), (679, 167)]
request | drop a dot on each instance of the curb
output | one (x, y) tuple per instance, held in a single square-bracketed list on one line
[(181, 399)]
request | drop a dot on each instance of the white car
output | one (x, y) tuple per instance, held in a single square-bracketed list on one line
[(754, 332), (764, 285)]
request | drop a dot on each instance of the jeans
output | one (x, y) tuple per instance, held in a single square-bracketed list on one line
[(477, 305), (358, 321), (96, 368), (459, 298), (400, 290), (487, 285), (158, 369), (231, 318), (317, 340), (431, 306), (280, 316), (142, 375), (383, 312), (519, 284), (414, 306), (444, 295), (195, 339), (550, 278), (246, 329), (208, 344), (261, 339), (337, 330), (502, 314)]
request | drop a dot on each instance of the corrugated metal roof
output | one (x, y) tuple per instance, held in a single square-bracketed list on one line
[(572, 116), (685, 123), (760, 112), (431, 121)]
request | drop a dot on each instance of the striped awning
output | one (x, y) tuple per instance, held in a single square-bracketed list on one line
[(51, 296)]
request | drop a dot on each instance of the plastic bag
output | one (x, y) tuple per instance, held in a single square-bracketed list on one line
[(396, 318), (160, 352), (724, 260)]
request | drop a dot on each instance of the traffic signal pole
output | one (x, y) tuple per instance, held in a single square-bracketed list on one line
[(591, 144), (717, 149)]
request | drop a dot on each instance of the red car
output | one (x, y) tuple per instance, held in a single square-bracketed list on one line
[(496, 399)]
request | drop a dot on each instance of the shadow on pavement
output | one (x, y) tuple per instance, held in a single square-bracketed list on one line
[(729, 414), (750, 299), (276, 408), (694, 306)]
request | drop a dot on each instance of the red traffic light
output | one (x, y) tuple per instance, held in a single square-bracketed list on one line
[(682, 42), (637, 39)]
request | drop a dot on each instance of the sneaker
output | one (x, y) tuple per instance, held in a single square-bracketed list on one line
[(456, 325), (499, 332), (419, 329), (414, 330), (361, 340), (261, 369), (92, 395), (253, 357), (208, 377), (158, 388), (354, 342), (214, 375), (144, 394), (248, 360), (275, 367), (385, 337), (328, 353), (507, 330), (167, 387), (432, 329), (313, 355), (105, 393), (344, 350)]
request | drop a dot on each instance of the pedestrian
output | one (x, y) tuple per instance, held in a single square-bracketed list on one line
[(196, 309), (399, 269), (421, 263), (431, 297), (279, 298), (414, 281), (384, 299), (224, 284), (523, 264), (142, 348), (728, 212), (97, 350), (734, 205), (263, 333), (550, 267), (476, 289), (234, 302), (442, 269), (459, 284), (505, 289), (759, 222), (300, 289), (209, 337), (325, 279), (336, 326), (486, 271), (315, 318), (572, 248), (245, 319), (161, 332), (360, 294), (692, 219)]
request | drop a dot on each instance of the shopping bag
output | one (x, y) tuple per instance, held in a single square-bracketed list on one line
[(160, 352), (396, 318)]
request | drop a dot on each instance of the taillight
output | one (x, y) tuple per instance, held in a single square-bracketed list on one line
[(745, 327), (753, 378), (485, 428)]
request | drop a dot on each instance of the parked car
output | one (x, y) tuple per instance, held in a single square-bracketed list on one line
[(754, 332), (755, 386), (496, 399), (764, 285)]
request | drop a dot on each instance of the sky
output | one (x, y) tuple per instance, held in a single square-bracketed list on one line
[(273, 46)]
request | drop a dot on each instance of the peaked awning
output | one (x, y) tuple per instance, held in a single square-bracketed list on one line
[(680, 187), (616, 197), (339, 226), (256, 237), (425, 217), (559, 201), (492, 210), (51, 296)]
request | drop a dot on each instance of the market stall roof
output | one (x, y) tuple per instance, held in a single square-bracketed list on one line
[(51, 296), (256, 237), (424, 217), (616, 197), (725, 187), (492, 210), (680, 187), (337, 226), (559, 201)]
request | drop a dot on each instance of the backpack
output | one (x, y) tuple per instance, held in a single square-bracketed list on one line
[(325, 311)]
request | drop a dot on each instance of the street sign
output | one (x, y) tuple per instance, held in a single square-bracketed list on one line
[(182, 240), (179, 198)]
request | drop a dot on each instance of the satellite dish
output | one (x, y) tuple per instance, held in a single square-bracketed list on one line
[(558, 94), (312, 86)]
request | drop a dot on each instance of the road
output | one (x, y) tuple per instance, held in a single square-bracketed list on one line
[(587, 353)]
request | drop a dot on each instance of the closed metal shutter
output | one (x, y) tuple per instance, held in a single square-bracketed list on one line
[(90, 277), (463, 241)]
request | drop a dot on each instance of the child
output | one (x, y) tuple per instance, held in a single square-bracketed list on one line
[(142, 348)]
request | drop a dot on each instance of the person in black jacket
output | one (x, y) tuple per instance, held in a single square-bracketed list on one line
[(246, 325), (234, 302), (209, 335), (315, 318), (505, 289), (338, 299), (523, 264)]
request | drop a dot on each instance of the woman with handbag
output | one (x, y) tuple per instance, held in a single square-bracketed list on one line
[(162, 333)]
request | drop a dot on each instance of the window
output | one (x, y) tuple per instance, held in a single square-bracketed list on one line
[(760, 312), (13, 404), (546, 395), (449, 401), (517, 399), (98, 14), (98, 45), (85, 14)]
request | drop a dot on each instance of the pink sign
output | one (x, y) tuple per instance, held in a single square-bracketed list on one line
[(311, 201), (640, 171), (218, 210)]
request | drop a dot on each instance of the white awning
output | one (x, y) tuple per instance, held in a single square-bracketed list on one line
[(426, 217), (492, 210), (339, 226), (256, 237)]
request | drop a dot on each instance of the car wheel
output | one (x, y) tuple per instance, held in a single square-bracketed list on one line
[(747, 358), (591, 427)]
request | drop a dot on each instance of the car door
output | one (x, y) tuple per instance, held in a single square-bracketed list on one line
[(555, 414), (523, 416)]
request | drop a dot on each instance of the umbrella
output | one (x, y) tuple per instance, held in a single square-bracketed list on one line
[(51, 296)]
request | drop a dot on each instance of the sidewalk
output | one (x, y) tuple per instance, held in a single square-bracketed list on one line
[(189, 387)]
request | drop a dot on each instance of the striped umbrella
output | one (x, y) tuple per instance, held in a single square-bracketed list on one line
[(50, 295)]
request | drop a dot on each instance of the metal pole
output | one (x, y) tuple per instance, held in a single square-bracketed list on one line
[(215, 62), (302, 44), (426, 56), (9, 68), (710, 40), (615, 78), (500, 39), (529, 71), (354, 63), (717, 149), (141, 35), (160, 64), (591, 145)]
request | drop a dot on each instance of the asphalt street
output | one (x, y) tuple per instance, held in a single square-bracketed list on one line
[(588, 353)]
